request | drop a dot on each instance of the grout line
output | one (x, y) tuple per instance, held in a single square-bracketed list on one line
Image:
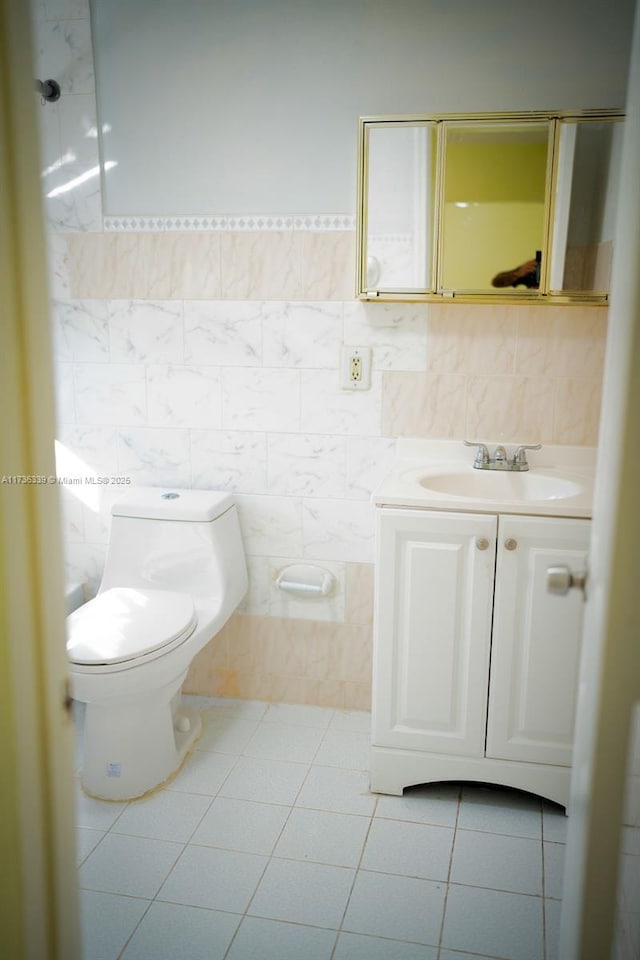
[(448, 880)]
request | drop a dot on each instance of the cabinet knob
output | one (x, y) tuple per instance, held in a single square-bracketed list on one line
[(560, 580), (510, 543), (482, 543)]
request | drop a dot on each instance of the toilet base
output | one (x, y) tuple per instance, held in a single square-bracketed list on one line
[(132, 745)]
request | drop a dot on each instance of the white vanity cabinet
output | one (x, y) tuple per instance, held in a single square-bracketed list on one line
[(475, 663)]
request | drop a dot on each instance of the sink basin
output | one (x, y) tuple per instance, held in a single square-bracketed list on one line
[(496, 485)]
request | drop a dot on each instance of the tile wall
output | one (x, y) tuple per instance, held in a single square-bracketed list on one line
[(210, 358)]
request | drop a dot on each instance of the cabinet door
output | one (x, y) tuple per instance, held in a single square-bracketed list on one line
[(434, 586), (536, 641)]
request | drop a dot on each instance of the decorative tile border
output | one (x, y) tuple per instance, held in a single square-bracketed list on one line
[(251, 222)]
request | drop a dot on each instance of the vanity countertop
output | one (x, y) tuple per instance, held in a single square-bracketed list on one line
[(439, 475)]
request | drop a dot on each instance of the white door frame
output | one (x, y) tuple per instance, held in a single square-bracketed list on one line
[(610, 671)]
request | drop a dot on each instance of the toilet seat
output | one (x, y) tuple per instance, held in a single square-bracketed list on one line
[(124, 624)]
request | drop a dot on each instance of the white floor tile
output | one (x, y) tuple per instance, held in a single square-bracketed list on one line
[(203, 773), (553, 869), (409, 849), (279, 741), (270, 781), (132, 866), (497, 810), (306, 893), (243, 825), (344, 748), (499, 862), (302, 716), (86, 841), (226, 734), (96, 814), (401, 908), (170, 930), (455, 955), (213, 878), (431, 803), (322, 837), (354, 946), (493, 923), (272, 940), (106, 922), (357, 721), (552, 910), (167, 815), (340, 791)]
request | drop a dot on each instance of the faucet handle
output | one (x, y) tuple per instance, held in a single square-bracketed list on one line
[(482, 453), (520, 456)]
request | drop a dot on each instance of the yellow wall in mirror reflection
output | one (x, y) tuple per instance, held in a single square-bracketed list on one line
[(493, 210)]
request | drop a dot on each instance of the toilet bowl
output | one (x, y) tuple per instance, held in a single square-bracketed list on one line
[(174, 573)]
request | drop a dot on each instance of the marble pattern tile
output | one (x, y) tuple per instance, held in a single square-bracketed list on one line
[(73, 198), (234, 460), (224, 332), (302, 334), (271, 526), (423, 405), (72, 519), (63, 50), (84, 563), (193, 265), (562, 341), (505, 408), (326, 408), (260, 266), (87, 451), (110, 393), (303, 465), (105, 265), (260, 399), (258, 594), (81, 330), (51, 155), (359, 593), (328, 271), (184, 396), (368, 460), (155, 457), (473, 338), (577, 411), (146, 331), (65, 394), (58, 266), (338, 530), (396, 332)]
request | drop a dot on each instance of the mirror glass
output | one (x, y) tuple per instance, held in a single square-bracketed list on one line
[(398, 247), (494, 206), (584, 214)]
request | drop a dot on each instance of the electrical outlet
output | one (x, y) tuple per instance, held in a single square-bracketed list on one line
[(356, 368)]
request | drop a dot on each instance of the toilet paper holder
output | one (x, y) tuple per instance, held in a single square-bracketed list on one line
[(305, 580)]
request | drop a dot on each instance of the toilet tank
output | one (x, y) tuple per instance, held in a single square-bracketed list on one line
[(185, 540)]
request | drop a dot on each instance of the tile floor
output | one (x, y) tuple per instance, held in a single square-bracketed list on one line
[(269, 846)]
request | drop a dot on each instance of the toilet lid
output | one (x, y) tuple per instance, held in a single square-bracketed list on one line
[(122, 624)]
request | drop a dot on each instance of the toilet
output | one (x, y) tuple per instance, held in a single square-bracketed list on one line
[(174, 573)]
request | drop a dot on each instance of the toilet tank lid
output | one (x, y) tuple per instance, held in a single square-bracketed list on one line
[(167, 503)]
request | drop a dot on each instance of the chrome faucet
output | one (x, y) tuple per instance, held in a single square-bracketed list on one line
[(500, 459)]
